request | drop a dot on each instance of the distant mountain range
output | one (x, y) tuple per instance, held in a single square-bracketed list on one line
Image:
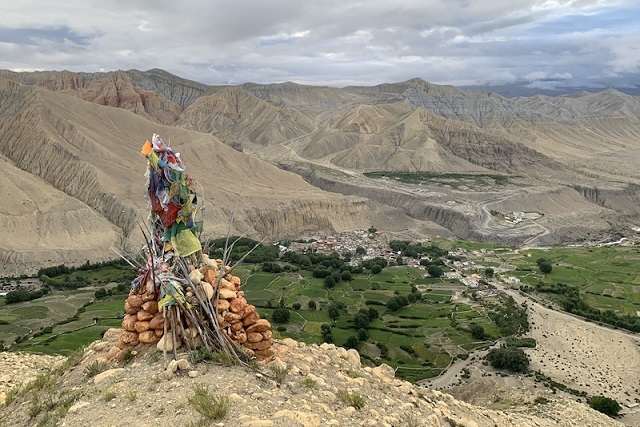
[(74, 186)]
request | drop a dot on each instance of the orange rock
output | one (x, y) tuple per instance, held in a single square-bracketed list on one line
[(223, 305), (267, 335), (235, 280), (238, 305), (158, 332), (130, 310), (241, 336), (210, 277), (144, 315), (129, 322), (225, 284), (141, 327), (261, 345), (157, 322), (150, 307), (235, 327), (129, 338), (251, 319), (248, 310), (232, 317), (240, 293), (264, 354), (254, 337), (135, 301), (148, 297), (220, 318), (227, 293), (261, 325), (148, 337)]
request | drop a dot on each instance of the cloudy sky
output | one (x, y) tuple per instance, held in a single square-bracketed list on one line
[(534, 43)]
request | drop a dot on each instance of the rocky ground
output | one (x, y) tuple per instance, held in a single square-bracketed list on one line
[(319, 386), (16, 368)]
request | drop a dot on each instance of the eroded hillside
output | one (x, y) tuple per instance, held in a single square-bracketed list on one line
[(574, 155)]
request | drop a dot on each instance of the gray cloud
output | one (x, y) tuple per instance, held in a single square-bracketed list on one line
[(564, 43)]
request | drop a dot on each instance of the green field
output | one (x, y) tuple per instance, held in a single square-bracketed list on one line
[(420, 339), (607, 277), (56, 311)]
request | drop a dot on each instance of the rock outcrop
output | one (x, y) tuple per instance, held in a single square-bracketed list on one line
[(316, 386)]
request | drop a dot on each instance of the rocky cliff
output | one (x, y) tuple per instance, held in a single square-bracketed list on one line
[(306, 385)]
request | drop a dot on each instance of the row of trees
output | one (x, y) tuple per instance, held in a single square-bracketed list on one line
[(63, 269), (572, 302), (261, 252), (21, 295)]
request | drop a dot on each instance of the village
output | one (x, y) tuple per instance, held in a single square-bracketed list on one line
[(361, 245)]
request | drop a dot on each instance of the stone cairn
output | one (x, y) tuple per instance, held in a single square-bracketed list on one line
[(180, 296)]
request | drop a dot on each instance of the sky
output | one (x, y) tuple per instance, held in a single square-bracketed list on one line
[(536, 44)]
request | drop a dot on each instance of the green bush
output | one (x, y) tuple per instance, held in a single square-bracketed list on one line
[(605, 405), (510, 358)]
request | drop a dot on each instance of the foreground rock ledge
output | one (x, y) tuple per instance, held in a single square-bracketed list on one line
[(309, 396)]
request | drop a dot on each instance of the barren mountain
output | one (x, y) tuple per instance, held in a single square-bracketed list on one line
[(476, 157), (75, 184)]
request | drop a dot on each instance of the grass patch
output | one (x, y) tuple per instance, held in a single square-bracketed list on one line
[(209, 406), (352, 398)]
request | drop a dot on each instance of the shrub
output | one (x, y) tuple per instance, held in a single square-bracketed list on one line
[(478, 332), (281, 315), (605, 405), (510, 358), (94, 369), (352, 399), (279, 373), (352, 342), (211, 407), (312, 305), (296, 306)]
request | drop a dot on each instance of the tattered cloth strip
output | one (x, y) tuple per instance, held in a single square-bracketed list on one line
[(172, 196)]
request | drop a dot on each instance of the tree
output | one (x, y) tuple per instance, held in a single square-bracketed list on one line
[(346, 276), (545, 267), (375, 269), (510, 358), (605, 405), (325, 329), (434, 271), (488, 272), (363, 335), (352, 342), (334, 313), (100, 293), (296, 306), (361, 321), (281, 315), (360, 250), (312, 305), (373, 314), (478, 332), (372, 229), (329, 282), (393, 305)]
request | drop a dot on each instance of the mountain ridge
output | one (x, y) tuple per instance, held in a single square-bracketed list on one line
[(584, 143)]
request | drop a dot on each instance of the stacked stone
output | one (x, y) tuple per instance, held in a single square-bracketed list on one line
[(238, 319), (144, 324)]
